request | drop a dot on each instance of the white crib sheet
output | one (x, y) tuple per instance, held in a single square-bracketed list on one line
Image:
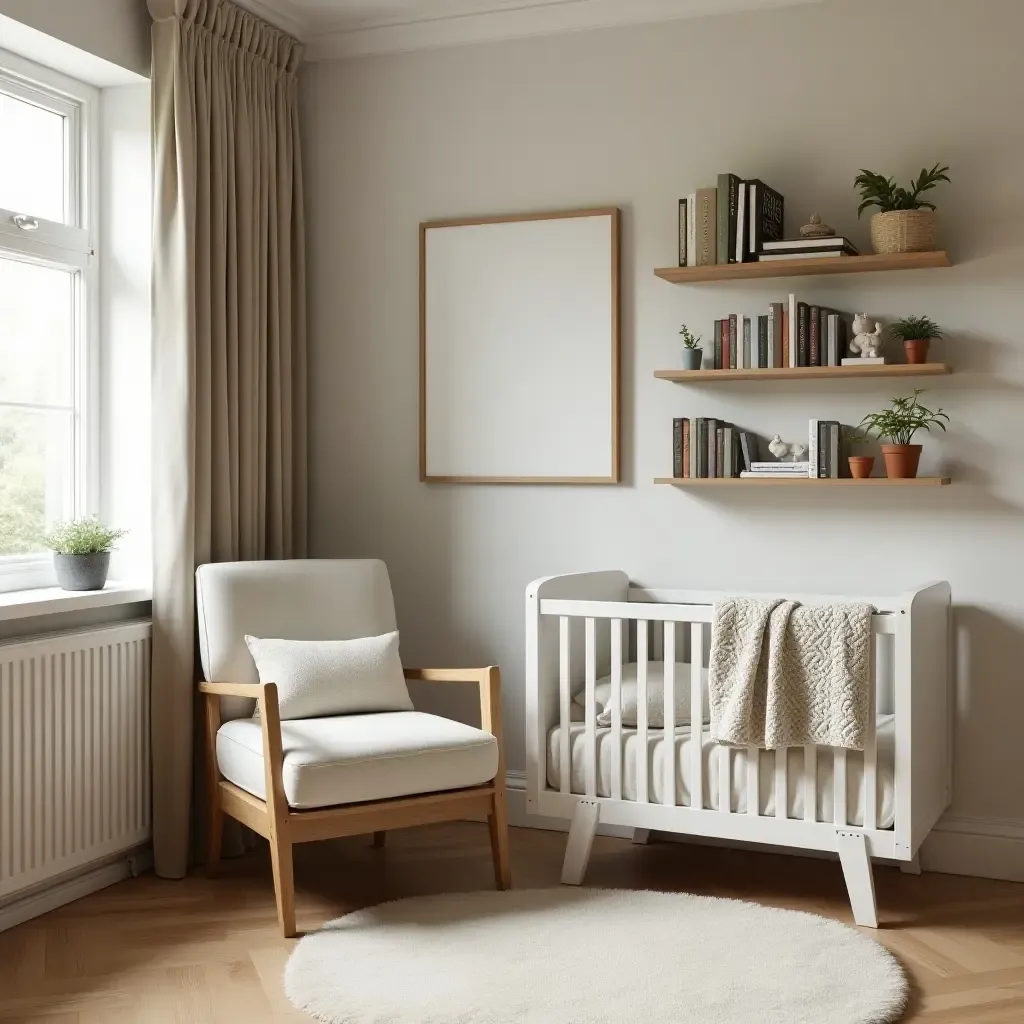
[(712, 754)]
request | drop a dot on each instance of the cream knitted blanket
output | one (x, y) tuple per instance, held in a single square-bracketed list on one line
[(785, 675)]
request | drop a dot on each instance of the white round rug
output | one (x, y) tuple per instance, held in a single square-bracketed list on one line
[(591, 956)]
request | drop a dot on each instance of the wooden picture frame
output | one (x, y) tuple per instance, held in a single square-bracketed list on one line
[(486, 419)]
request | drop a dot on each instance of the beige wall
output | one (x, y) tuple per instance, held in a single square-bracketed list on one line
[(116, 30), (801, 97)]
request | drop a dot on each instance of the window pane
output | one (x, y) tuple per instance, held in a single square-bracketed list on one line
[(35, 477), (32, 169), (36, 333)]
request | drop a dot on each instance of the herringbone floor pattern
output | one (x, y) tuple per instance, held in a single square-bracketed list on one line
[(202, 951)]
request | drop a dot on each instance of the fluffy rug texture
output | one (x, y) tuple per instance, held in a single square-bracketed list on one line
[(591, 956)]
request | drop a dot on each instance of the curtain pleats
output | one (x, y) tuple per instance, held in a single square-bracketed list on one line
[(229, 361)]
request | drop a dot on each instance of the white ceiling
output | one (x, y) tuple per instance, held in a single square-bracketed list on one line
[(346, 28)]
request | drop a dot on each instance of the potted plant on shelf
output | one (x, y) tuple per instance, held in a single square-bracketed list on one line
[(899, 423), (81, 552), (860, 465), (692, 352), (905, 222), (916, 332)]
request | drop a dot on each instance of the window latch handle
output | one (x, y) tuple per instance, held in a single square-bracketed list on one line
[(25, 222)]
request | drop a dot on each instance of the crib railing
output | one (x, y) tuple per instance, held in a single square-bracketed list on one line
[(693, 622)]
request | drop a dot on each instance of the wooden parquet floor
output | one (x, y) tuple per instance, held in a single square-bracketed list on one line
[(200, 951)]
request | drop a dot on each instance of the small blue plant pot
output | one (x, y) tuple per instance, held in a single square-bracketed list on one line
[(692, 358)]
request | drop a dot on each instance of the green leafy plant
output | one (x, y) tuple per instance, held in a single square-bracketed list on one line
[(82, 537), (916, 328), (690, 341), (856, 436), (878, 190), (903, 419)]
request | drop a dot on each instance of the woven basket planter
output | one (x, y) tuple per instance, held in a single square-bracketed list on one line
[(905, 231)]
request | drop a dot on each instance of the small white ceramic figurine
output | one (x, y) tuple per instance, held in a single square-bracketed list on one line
[(786, 451), (865, 342)]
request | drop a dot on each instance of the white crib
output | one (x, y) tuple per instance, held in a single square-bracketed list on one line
[(881, 803)]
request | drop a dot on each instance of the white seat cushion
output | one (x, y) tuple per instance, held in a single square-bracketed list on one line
[(355, 758)]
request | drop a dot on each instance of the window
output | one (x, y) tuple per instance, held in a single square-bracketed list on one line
[(48, 303)]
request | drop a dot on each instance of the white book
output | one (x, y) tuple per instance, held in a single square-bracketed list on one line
[(794, 356), (741, 214), (812, 449), (862, 361), (691, 230), (828, 242), (796, 467), (772, 476), (752, 226), (826, 254)]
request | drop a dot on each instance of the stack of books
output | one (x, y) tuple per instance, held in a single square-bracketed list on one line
[(824, 449), (807, 249), (730, 223), (708, 448), (791, 334), (777, 470)]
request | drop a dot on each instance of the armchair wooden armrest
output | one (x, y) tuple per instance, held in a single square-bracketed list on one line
[(488, 681), (254, 690)]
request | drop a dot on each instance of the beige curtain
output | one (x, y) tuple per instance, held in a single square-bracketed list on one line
[(229, 355)]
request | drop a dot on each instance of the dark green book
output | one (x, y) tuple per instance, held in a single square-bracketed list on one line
[(717, 354), (677, 447), (762, 342)]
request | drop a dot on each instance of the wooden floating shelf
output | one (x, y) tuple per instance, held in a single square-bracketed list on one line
[(872, 481), (806, 372), (804, 267)]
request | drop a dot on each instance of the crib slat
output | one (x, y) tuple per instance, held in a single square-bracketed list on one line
[(724, 779), (871, 745), (641, 711), (590, 667), (668, 749), (696, 716), (782, 782), (753, 781), (810, 783), (564, 706), (616, 737), (839, 786)]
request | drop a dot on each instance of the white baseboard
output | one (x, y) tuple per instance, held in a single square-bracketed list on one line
[(958, 845), (43, 899)]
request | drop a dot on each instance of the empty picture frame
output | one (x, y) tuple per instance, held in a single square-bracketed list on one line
[(519, 349)]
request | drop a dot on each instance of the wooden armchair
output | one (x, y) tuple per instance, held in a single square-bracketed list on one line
[(289, 781)]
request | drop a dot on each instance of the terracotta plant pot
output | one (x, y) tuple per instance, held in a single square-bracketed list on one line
[(861, 466), (901, 460), (916, 350), (905, 231)]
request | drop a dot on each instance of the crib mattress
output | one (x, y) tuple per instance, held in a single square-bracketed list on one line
[(712, 754)]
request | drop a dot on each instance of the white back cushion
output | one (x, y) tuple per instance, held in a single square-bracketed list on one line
[(316, 678), (294, 599)]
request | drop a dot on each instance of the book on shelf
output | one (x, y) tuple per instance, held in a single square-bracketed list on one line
[(727, 209), (818, 254), (799, 468), (765, 213), (777, 472), (730, 363), (706, 448), (691, 229), (792, 321), (748, 449), (762, 343), (863, 361), (707, 227), (741, 225), (806, 245), (824, 453), (686, 448), (682, 232), (677, 447), (775, 339), (745, 329), (716, 350)]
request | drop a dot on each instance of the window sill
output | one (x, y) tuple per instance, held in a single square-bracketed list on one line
[(26, 604)]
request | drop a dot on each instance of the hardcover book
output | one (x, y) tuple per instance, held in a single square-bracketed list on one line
[(762, 343), (814, 342), (682, 232), (794, 245), (765, 207), (677, 447), (691, 229), (812, 448), (802, 334), (748, 448), (686, 448), (717, 353), (776, 336), (728, 208), (744, 362), (791, 325), (730, 363), (707, 227)]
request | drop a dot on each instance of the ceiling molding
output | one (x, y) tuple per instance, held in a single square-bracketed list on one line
[(327, 40), (284, 14)]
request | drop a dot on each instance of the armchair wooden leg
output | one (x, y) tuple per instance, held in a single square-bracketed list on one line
[(284, 884), (378, 839), (214, 813), (497, 821)]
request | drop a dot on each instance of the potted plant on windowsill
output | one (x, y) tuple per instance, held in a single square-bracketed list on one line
[(81, 552), (905, 222), (899, 423), (692, 353), (860, 465), (916, 332)]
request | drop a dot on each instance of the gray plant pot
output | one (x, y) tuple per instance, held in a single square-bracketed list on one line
[(81, 572), (692, 358)]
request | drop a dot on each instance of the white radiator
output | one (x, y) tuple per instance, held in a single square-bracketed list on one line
[(74, 751)]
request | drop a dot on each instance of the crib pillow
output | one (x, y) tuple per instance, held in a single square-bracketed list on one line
[(655, 695)]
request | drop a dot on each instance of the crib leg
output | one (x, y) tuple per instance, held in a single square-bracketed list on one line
[(853, 854), (641, 836), (581, 839), (911, 867)]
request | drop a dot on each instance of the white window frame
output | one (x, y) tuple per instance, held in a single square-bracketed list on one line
[(69, 246)]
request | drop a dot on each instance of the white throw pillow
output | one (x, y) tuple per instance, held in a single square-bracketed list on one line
[(655, 695), (316, 678)]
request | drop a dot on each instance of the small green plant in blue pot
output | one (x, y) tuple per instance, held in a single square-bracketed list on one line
[(81, 552), (693, 354)]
